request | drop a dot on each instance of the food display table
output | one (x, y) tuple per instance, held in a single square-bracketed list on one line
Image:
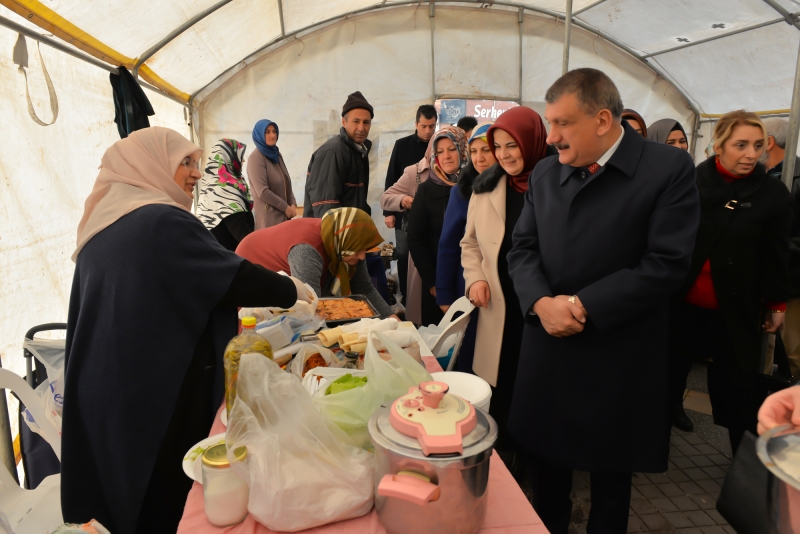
[(507, 511)]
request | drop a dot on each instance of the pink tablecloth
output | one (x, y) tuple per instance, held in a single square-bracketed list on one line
[(508, 510)]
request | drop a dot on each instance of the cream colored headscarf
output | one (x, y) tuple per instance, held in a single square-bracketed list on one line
[(135, 172)]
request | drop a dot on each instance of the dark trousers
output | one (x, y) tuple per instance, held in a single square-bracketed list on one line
[(402, 260), (736, 395), (551, 485)]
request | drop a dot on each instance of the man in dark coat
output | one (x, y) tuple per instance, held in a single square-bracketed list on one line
[(407, 151), (774, 151), (338, 173), (605, 236)]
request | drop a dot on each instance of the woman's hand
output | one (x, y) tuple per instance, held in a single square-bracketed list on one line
[(406, 202), (389, 221), (290, 212), (781, 408), (774, 321), (445, 307), (433, 291), (479, 294)]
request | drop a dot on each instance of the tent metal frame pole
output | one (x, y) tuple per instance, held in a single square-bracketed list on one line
[(790, 156), (175, 33), (695, 133), (567, 37), (63, 47), (532, 9), (789, 17), (521, 21), (431, 17), (587, 8), (280, 15), (716, 37)]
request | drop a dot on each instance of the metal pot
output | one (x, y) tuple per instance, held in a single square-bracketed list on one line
[(779, 450), (443, 493)]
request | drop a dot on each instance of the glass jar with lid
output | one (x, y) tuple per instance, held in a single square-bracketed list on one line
[(225, 494)]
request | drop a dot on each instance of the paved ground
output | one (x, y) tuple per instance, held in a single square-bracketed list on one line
[(682, 500)]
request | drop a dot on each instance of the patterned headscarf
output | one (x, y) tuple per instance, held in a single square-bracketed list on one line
[(346, 231), (223, 189), (479, 132), (459, 139)]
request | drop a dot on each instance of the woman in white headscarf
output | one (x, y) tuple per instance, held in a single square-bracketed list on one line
[(153, 303)]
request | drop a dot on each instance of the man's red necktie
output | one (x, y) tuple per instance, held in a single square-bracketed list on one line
[(593, 168)]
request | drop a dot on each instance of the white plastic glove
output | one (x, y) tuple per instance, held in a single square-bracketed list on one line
[(303, 294)]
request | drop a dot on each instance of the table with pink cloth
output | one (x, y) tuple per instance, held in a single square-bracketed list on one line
[(507, 509)]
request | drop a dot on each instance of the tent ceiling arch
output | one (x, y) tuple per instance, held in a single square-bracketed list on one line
[(182, 46)]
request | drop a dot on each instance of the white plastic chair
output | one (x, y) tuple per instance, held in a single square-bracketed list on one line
[(452, 327), (30, 511)]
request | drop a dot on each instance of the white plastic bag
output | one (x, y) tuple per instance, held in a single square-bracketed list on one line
[(302, 474), (386, 380), (430, 335), (51, 394)]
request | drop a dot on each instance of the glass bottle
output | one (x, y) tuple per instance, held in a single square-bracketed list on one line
[(249, 341), (225, 494)]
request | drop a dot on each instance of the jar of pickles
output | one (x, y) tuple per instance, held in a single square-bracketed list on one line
[(249, 341), (225, 494)]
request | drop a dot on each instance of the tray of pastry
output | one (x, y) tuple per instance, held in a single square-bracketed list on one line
[(342, 310)]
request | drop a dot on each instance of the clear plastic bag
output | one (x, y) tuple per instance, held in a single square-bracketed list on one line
[(301, 472), (386, 380), (308, 350)]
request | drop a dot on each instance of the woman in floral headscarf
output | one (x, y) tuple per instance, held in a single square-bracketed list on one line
[(225, 207), (447, 158)]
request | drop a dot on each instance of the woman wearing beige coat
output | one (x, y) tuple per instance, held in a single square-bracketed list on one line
[(270, 184), (517, 140)]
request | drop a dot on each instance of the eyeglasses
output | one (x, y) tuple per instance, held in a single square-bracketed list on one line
[(190, 163)]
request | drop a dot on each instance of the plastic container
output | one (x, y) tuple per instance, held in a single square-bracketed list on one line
[(225, 494), (245, 343), (278, 332), (469, 387)]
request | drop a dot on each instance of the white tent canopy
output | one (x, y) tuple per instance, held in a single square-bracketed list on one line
[(219, 66)]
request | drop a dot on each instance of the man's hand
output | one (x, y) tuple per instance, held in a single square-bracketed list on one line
[(581, 316), (479, 294), (774, 322), (389, 221), (290, 212), (444, 307), (406, 202), (559, 316), (433, 291), (781, 408)]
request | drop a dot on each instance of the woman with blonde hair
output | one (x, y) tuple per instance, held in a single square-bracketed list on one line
[(738, 282)]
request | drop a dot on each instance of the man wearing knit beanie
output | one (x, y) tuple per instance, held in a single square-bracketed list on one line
[(338, 173)]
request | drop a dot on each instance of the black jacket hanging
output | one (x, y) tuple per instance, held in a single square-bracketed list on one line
[(131, 106)]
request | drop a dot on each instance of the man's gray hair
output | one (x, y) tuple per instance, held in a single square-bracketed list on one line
[(593, 89), (778, 129)]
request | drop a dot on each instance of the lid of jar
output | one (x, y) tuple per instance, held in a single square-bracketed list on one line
[(248, 322), (217, 456), (779, 450)]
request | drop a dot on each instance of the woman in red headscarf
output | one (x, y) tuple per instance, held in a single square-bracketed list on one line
[(517, 140)]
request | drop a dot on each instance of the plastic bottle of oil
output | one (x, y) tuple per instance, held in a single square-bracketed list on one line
[(249, 341)]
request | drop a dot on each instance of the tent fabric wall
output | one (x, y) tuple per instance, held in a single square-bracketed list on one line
[(386, 55), (47, 173)]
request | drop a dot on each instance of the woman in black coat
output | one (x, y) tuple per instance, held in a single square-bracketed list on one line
[(738, 282), (426, 218)]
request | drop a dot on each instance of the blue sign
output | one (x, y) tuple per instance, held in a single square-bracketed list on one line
[(452, 110)]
